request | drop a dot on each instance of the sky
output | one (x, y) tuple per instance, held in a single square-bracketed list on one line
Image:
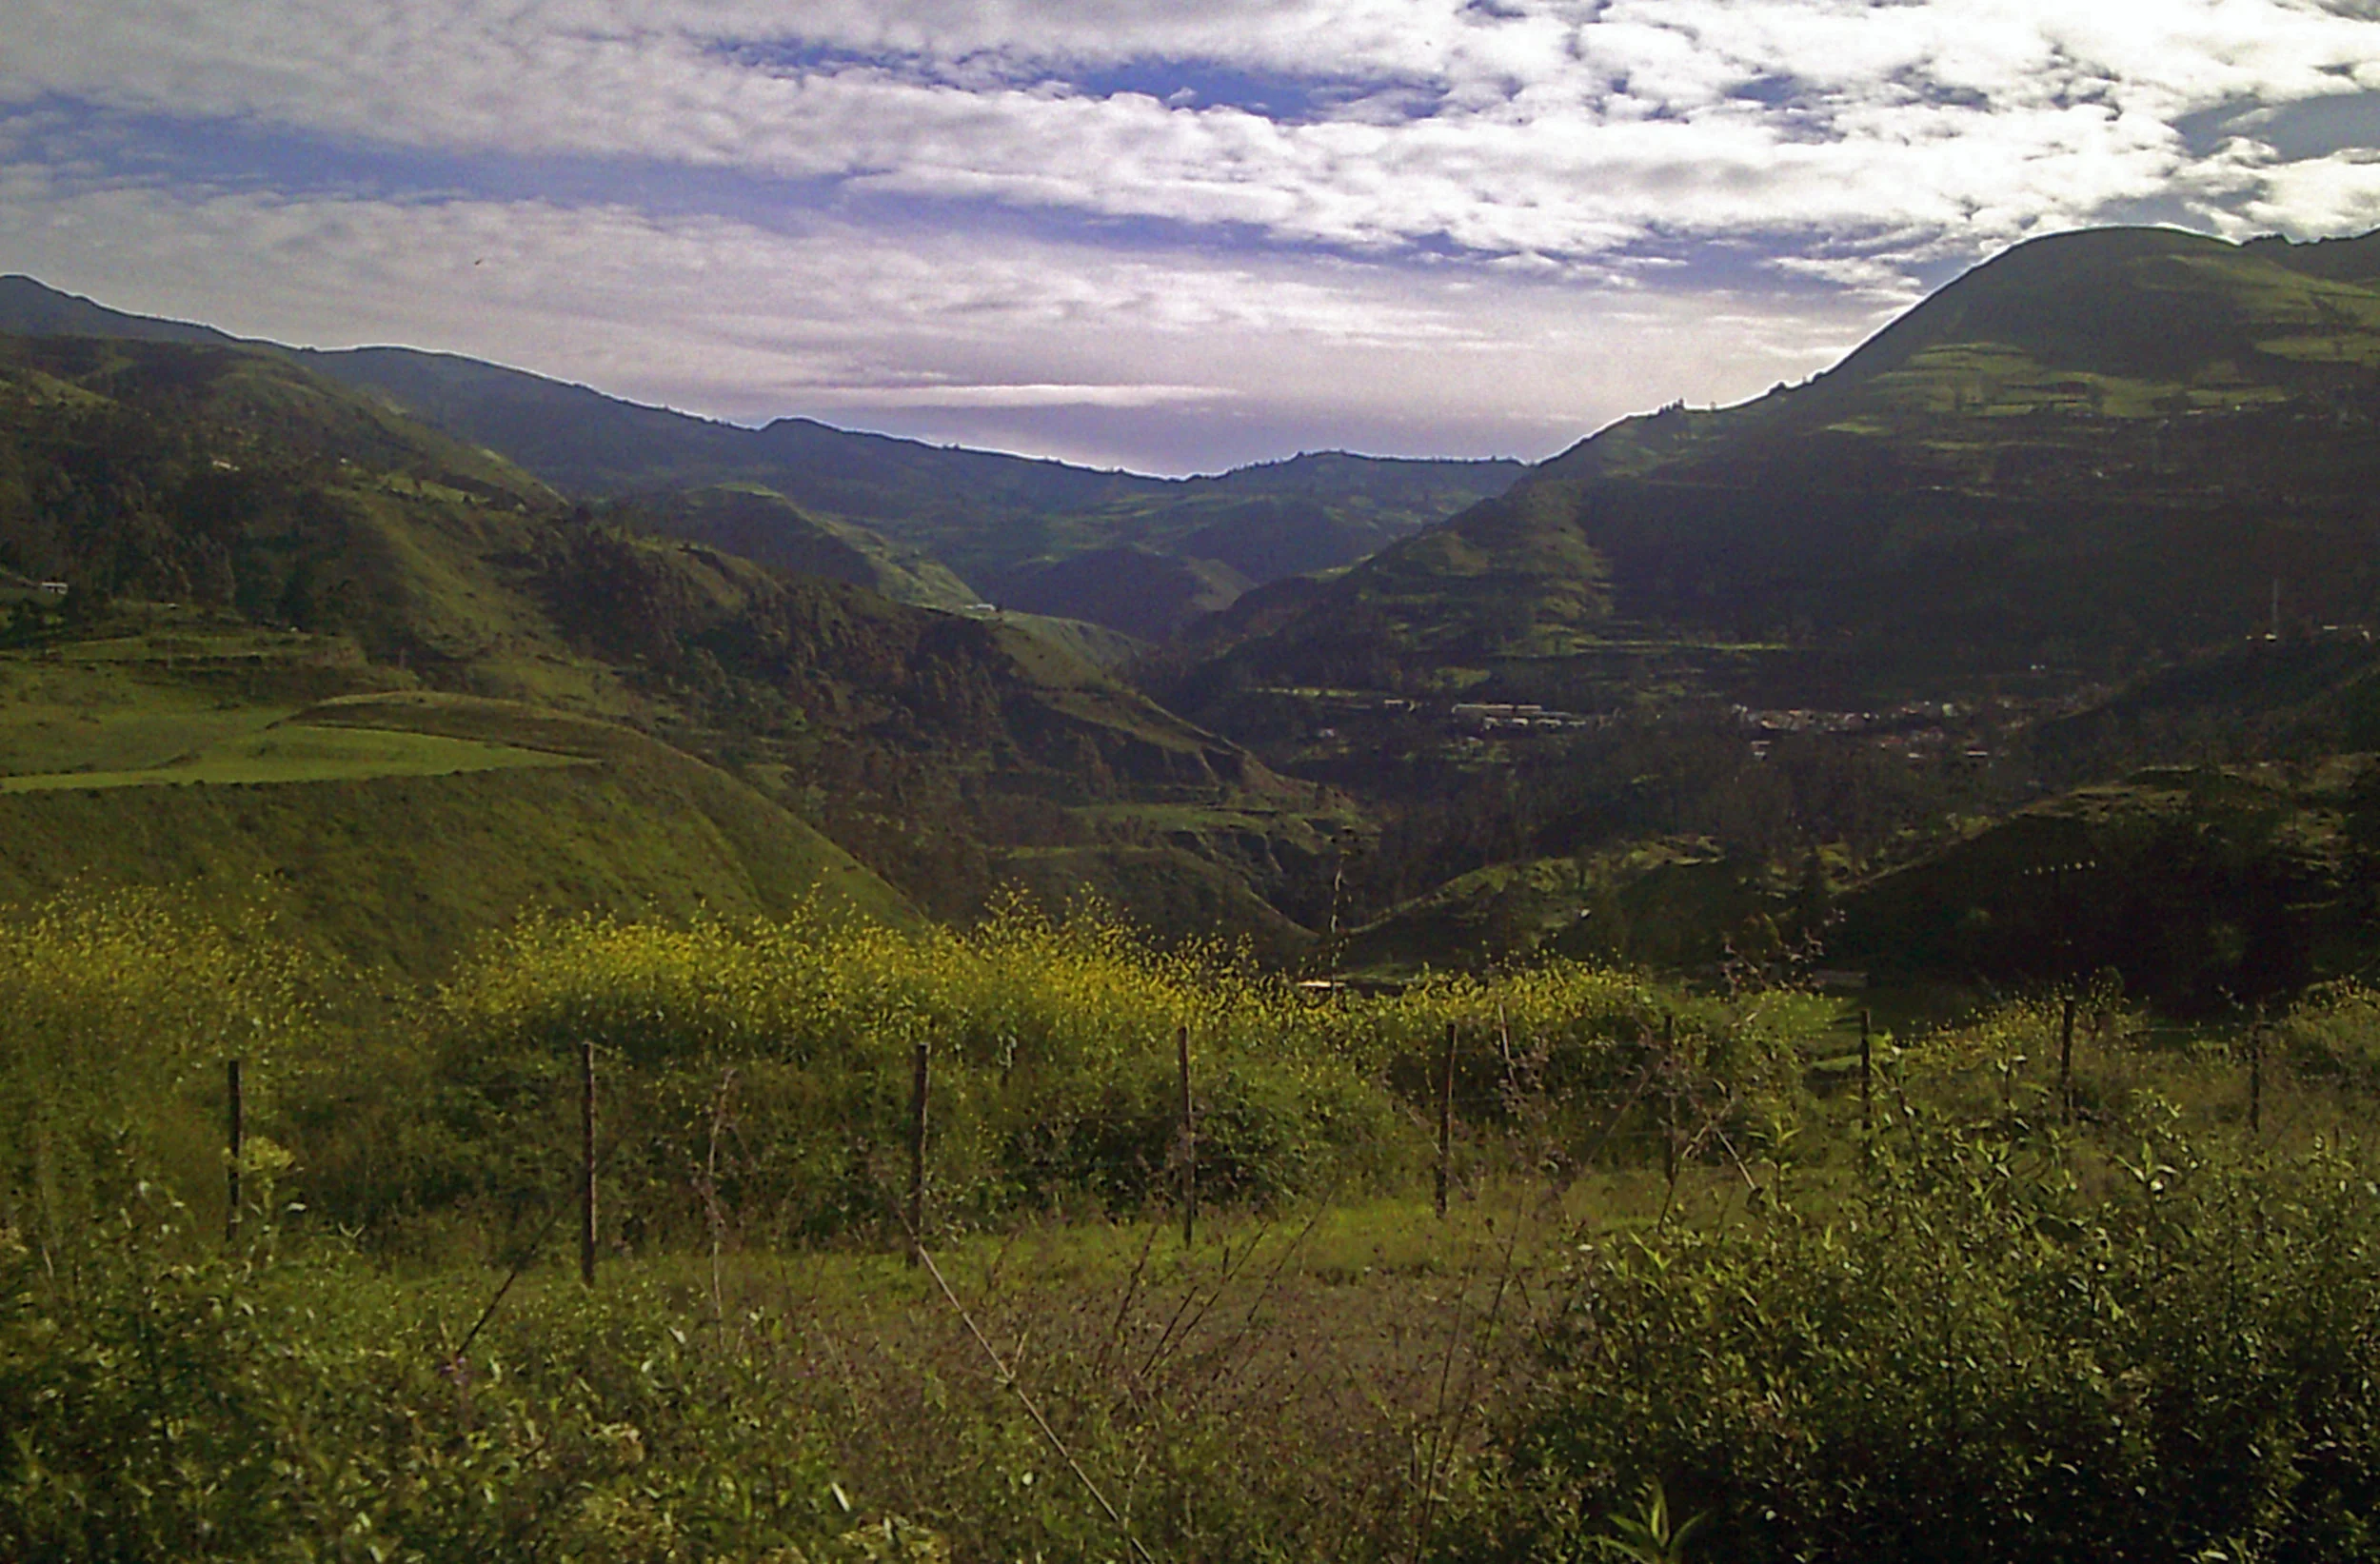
[(1158, 234)]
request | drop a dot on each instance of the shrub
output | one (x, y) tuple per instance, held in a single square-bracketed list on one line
[(1971, 1359), (173, 1407)]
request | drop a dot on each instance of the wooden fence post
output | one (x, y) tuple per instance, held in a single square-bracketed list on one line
[(235, 1133), (1189, 1142), (587, 1161), (1867, 1079), (2256, 1079), (2066, 1061), (920, 1085), (1445, 1117)]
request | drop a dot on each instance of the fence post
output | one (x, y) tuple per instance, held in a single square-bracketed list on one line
[(587, 1161), (1189, 1142), (1867, 1079), (2066, 1061), (1672, 1083), (235, 1133), (1445, 1117), (920, 1085), (2256, 1079)]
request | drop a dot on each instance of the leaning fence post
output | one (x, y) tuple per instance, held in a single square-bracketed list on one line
[(234, 1134), (1445, 1116), (587, 1161), (1189, 1142), (921, 1084), (1673, 1084)]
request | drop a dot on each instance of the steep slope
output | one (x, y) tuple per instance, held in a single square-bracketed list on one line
[(2094, 449), (764, 525), (404, 871)]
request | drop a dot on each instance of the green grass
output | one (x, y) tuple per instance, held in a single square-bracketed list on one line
[(425, 821), (41, 737)]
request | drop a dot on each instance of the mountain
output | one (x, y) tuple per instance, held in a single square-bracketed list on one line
[(2094, 450), (985, 516)]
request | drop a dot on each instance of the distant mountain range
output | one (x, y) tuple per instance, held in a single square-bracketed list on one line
[(1136, 553)]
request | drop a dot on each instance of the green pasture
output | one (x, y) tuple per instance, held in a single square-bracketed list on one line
[(289, 752), (108, 721)]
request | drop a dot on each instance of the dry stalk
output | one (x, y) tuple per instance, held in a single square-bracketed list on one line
[(1033, 1409), (1124, 1305)]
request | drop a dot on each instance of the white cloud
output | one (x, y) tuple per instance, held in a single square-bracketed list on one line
[(1207, 359), (2318, 196), (1567, 129), (1016, 396)]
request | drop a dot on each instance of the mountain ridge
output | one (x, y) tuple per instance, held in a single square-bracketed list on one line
[(983, 514)]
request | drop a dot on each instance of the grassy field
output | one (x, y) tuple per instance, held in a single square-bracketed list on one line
[(392, 830)]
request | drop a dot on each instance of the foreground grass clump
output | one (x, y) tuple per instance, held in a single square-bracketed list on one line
[(756, 1077), (767, 1070)]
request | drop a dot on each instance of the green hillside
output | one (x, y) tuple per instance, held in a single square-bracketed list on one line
[(1670, 903), (241, 540), (1131, 589), (393, 829), (2202, 886), (764, 525)]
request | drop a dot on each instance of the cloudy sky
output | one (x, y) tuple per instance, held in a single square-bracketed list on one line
[(1168, 234)]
